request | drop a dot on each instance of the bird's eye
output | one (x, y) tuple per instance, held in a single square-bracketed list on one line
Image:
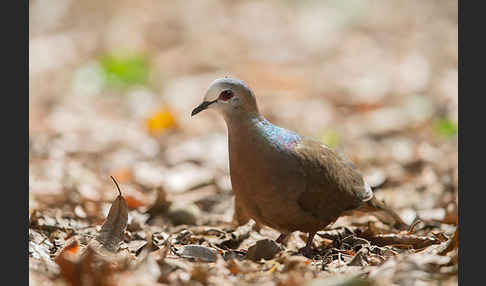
[(226, 95)]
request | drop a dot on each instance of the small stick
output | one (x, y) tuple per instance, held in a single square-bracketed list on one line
[(414, 224), (118, 187)]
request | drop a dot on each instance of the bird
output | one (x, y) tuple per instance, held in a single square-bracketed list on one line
[(281, 179)]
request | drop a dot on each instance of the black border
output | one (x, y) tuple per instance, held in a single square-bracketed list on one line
[(471, 149), (15, 137)]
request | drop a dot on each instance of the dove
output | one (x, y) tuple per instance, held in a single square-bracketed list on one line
[(279, 178)]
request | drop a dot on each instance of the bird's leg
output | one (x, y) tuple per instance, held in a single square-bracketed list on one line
[(307, 250), (281, 238)]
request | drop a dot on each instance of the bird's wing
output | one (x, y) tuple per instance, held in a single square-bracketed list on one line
[(332, 182)]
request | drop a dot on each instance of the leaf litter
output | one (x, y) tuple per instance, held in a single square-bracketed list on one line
[(173, 223)]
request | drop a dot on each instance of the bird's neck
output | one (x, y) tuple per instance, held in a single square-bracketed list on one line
[(255, 131), (242, 130), (241, 121)]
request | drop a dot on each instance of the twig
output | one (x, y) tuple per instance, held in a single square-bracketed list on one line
[(117, 186)]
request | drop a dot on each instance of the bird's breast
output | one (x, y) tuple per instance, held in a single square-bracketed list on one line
[(265, 178)]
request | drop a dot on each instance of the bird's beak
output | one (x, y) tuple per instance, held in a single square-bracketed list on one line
[(204, 105)]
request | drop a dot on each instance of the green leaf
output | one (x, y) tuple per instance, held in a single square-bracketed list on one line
[(124, 70), (330, 138), (445, 128)]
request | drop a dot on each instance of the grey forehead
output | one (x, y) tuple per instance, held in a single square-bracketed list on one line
[(231, 82)]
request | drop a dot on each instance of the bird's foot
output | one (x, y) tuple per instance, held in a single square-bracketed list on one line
[(307, 251)]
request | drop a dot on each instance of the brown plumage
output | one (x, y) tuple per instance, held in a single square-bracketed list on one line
[(281, 179)]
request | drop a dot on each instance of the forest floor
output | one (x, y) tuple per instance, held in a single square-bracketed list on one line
[(381, 90)]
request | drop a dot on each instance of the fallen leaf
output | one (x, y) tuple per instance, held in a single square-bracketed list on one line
[(237, 237), (400, 239), (111, 233), (451, 244), (161, 204), (133, 203), (72, 248), (360, 258), (67, 263), (199, 252), (135, 246), (265, 248), (88, 268), (451, 216), (160, 122)]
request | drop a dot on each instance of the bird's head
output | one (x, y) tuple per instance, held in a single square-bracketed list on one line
[(230, 96)]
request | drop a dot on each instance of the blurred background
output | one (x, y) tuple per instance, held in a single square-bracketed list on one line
[(112, 84)]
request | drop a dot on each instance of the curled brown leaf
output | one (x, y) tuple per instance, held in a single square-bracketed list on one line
[(111, 233)]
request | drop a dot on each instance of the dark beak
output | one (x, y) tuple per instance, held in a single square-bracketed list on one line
[(204, 105)]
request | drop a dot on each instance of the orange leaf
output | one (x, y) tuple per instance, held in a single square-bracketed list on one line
[(133, 203), (66, 262), (73, 247), (160, 122)]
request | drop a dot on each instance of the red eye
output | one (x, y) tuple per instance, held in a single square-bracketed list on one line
[(226, 95)]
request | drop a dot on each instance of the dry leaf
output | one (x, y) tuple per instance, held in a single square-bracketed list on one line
[(161, 204), (67, 264), (89, 268), (451, 216), (160, 122), (360, 258), (451, 244), (265, 248), (400, 239), (200, 253), (238, 236), (133, 203), (111, 233)]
